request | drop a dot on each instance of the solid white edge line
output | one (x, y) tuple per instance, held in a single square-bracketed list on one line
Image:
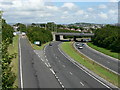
[(88, 73), (21, 77)]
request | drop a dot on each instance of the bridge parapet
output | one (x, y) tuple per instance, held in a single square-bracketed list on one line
[(57, 36)]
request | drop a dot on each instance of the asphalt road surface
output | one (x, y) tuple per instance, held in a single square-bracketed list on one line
[(69, 74), (108, 62), (33, 72)]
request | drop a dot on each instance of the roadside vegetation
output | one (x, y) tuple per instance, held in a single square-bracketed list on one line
[(38, 34), (104, 50), (68, 48), (13, 50), (8, 76), (108, 37)]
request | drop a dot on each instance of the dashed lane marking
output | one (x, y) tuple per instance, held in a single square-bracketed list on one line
[(46, 60), (63, 66), (71, 73), (86, 71), (81, 83), (108, 62), (42, 59), (46, 64)]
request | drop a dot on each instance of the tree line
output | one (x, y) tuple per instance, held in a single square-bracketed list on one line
[(7, 76), (108, 37)]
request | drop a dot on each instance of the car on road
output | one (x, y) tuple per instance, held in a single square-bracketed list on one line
[(82, 44), (80, 47), (23, 33), (50, 44), (77, 44)]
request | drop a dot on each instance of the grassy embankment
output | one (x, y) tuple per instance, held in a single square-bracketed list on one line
[(105, 51), (13, 48), (68, 48)]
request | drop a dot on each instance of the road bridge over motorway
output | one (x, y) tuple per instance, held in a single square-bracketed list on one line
[(59, 36)]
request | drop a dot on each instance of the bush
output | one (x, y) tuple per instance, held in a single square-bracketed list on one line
[(39, 34), (108, 37)]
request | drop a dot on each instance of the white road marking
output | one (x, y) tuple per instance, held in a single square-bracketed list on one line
[(49, 65), (62, 86), (61, 83), (86, 71), (42, 59), (21, 77), (96, 61), (46, 64), (56, 57), (38, 55), (59, 80), (52, 71), (46, 60), (63, 66), (81, 83), (71, 73)]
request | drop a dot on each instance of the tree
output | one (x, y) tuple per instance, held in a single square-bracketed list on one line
[(107, 37), (21, 27), (7, 76)]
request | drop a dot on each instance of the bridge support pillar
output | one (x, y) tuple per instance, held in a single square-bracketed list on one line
[(57, 37), (61, 37), (74, 38)]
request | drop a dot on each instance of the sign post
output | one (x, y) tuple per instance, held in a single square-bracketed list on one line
[(37, 43)]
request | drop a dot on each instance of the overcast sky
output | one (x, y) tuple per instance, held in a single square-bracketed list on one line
[(61, 12)]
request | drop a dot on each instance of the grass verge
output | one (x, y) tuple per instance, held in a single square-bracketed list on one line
[(105, 51), (13, 48), (68, 48)]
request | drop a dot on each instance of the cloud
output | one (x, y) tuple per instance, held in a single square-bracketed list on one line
[(65, 12), (90, 9), (103, 15), (22, 5), (79, 12), (53, 8), (102, 6), (29, 11), (114, 0), (112, 11), (69, 5)]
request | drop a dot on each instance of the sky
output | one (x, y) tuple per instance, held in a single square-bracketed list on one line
[(60, 11)]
